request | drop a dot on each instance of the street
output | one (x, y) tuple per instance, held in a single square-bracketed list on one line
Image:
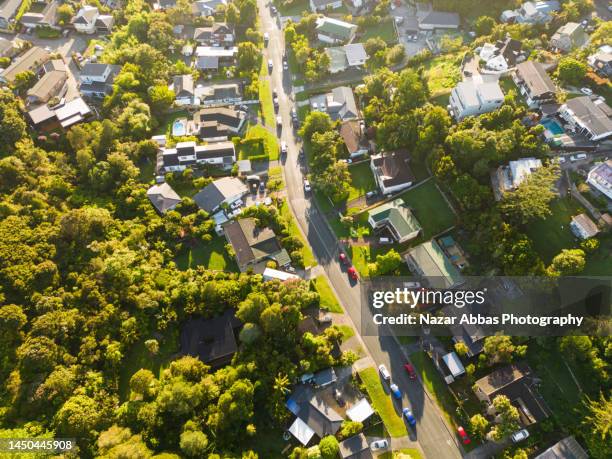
[(432, 433)]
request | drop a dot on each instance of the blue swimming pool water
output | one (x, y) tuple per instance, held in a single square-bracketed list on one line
[(552, 126), (178, 128)]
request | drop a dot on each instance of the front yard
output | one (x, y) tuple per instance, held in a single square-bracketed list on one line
[(211, 255), (266, 149), (383, 403), (328, 300), (309, 259)]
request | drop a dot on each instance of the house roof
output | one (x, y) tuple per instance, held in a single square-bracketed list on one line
[(300, 430), (250, 243), (215, 51), (325, 377), (224, 116), (568, 448), (350, 131), (163, 197), (94, 69), (360, 411), (335, 27), (320, 417), (45, 88), (213, 194), (182, 84), (397, 214), (29, 60), (5, 45), (355, 52), (72, 112), (355, 447), (522, 168), (9, 8), (441, 18), (86, 15), (392, 167), (207, 62), (105, 21), (588, 226), (211, 340), (322, 3), (41, 114), (342, 103), (536, 79), (219, 91), (434, 264), (597, 116), (54, 64)]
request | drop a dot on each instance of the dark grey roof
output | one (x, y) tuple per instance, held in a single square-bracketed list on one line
[(183, 85), (355, 447), (394, 165), (325, 377), (320, 417), (568, 448), (96, 69), (345, 106), (441, 18), (535, 78), (213, 194), (207, 62), (222, 115), (596, 116), (163, 197), (105, 21), (215, 150), (250, 242)]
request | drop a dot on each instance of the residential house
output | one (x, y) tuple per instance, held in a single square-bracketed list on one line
[(532, 13), (61, 116), (45, 18), (592, 118), (568, 37), (222, 191), (429, 261), (8, 48), (218, 94), (392, 171), (212, 340), (502, 55), (97, 79), (568, 448), (447, 363), (476, 95), (216, 123), (188, 154), (165, 4), (51, 84), (183, 88), (334, 31), (8, 10), (313, 415), (163, 197), (600, 178), (583, 227), (205, 8), (355, 447), (509, 177), (360, 411), (348, 56), (518, 383), (270, 274), (88, 20), (31, 60), (453, 251), (253, 246), (219, 34), (324, 5), (396, 218), (440, 20), (54, 65), (472, 336), (353, 135), (339, 104), (212, 58), (534, 84), (601, 61)]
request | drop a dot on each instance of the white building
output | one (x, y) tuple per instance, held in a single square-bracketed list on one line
[(511, 176), (188, 154), (88, 20), (475, 96), (272, 274), (600, 178), (583, 227), (323, 5), (592, 118), (342, 57)]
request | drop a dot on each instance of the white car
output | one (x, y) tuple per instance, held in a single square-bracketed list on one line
[(270, 64), (560, 159), (384, 372), (586, 91), (578, 157), (307, 187), (379, 445), (279, 121), (520, 436), (285, 64), (283, 147)]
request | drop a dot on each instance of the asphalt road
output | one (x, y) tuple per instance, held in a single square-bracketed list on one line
[(431, 432)]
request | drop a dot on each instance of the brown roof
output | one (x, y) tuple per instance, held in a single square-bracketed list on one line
[(497, 380), (393, 166), (48, 85), (29, 60), (586, 223), (350, 131), (535, 77), (250, 242)]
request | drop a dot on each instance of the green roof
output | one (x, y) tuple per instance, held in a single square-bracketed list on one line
[(397, 214), (335, 27), (433, 263)]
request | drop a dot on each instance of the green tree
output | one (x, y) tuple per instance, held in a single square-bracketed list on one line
[(80, 416), (350, 428), (507, 417), (161, 98), (597, 426), (249, 57), (571, 71), (329, 447), (315, 122), (531, 199), (385, 263), (567, 263), (484, 25), (194, 443), (479, 426), (65, 12), (499, 349)]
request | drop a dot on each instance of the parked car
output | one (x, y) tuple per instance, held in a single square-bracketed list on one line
[(379, 445), (343, 259), (371, 194), (270, 64), (283, 147), (410, 370), (279, 121), (262, 186), (266, 38), (395, 391), (385, 240), (325, 318), (285, 64), (520, 435), (560, 159), (586, 91), (307, 187), (352, 272), (409, 416), (384, 373), (578, 157), (338, 397), (274, 10), (463, 435), (236, 204)]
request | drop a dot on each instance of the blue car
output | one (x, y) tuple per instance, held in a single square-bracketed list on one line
[(395, 391), (409, 417)]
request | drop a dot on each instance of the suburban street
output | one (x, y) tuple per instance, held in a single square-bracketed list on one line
[(432, 433)]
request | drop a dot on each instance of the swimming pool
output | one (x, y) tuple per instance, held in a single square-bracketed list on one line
[(552, 126), (179, 128)]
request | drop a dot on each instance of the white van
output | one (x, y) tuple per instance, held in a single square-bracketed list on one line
[(384, 240)]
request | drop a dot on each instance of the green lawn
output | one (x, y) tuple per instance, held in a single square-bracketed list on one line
[(327, 298), (138, 357), (147, 170), (294, 8), (598, 263), (265, 97), (268, 149), (309, 259), (362, 180), (383, 403), (347, 332), (430, 208), (553, 234), (384, 30), (434, 384), (211, 255), (443, 73), (406, 453)]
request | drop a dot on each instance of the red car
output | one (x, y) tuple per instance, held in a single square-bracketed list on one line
[(343, 259), (410, 370), (464, 436), (352, 272)]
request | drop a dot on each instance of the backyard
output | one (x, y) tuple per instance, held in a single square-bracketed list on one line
[(443, 73), (328, 300), (384, 30), (211, 255), (382, 402), (267, 148), (362, 180)]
